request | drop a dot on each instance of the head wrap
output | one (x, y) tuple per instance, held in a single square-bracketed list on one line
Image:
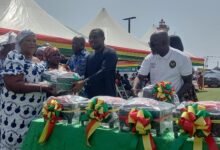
[(49, 50), (21, 35), (8, 38)]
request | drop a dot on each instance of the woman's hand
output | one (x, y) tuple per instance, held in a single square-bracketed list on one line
[(48, 88)]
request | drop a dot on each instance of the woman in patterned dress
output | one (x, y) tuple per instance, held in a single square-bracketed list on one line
[(7, 43), (23, 95)]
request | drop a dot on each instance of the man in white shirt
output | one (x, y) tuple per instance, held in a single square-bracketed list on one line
[(165, 64)]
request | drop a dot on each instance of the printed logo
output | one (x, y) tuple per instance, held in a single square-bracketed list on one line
[(172, 64)]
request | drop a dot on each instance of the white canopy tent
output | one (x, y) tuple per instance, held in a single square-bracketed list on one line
[(115, 35), (27, 14), (146, 37), (4, 5)]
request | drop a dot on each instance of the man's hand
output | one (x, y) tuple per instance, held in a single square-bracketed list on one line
[(78, 86), (138, 84), (135, 91), (187, 84)]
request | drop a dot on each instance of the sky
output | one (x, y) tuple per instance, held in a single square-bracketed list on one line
[(197, 22)]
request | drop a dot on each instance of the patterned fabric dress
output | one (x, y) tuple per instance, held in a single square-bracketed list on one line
[(19, 109), (1, 89)]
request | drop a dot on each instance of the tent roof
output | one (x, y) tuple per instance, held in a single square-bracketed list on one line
[(4, 5), (115, 35), (27, 14), (146, 36)]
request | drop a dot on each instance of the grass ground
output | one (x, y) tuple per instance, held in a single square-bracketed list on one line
[(209, 94)]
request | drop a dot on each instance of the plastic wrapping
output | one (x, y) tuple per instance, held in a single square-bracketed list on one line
[(161, 112), (70, 112), (113, 104), (62, 80), (147, 93)]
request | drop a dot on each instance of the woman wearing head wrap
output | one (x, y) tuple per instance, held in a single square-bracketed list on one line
[(23, 95), (40, 51), (53, 59)]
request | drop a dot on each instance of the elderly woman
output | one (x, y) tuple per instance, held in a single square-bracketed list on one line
[(23, 95)]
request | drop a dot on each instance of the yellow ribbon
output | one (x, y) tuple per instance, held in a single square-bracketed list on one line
[(197, 144), (146, 141), (98, 110), (49, 112), (142, 128), (198, 124)]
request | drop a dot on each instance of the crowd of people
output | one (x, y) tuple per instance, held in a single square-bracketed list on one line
[(23, 93)]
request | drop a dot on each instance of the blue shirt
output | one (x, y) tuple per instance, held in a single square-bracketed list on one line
[(77, 62)]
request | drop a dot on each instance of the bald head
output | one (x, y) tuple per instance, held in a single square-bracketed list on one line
[(159, 43)]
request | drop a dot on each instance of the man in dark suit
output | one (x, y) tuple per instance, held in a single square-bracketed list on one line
[(100, 68)]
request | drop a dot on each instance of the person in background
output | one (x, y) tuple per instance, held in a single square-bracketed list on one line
[(200, 81), (77, 62), (53, 58), (126, 83), (118, 78), (63, 59), (100, 68), (23, 94), (7, 43), (40, 53), (176, 42), (165, 64)]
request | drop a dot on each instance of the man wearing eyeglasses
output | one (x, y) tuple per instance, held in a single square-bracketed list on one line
[(165, 64)]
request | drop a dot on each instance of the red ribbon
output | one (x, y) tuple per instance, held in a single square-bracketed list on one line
[(211, 143), (192, 121)]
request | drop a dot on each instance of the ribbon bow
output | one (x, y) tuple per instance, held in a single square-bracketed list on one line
[(97, 111), (195, 122), (51, 113), (140, 120), (163, 91)]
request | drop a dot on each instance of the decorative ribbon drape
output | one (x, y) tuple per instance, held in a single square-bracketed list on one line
[(140, 121), (163, 91), (51, 113), (97, 111), (195, 122)]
